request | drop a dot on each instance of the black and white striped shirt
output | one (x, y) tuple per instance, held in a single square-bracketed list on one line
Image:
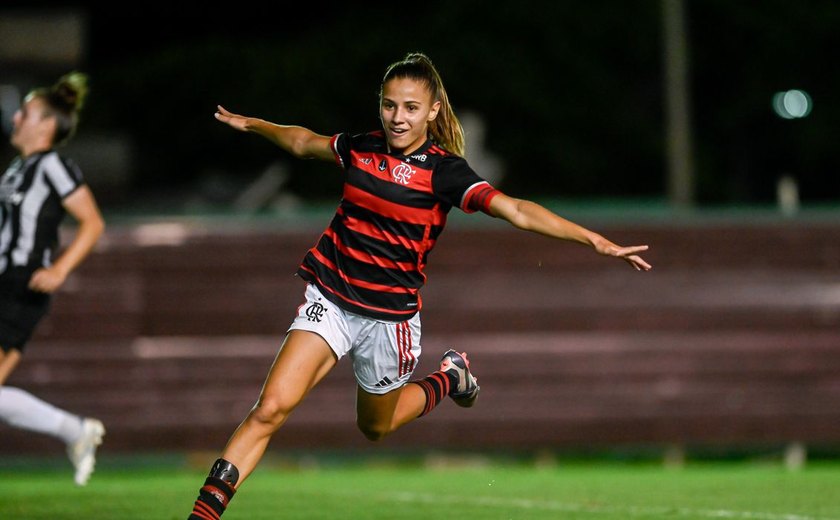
[(31, 210)]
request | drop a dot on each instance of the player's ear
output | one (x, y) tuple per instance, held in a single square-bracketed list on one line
[(434, 111)]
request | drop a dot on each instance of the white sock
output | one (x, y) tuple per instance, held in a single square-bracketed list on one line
[(23, 410)]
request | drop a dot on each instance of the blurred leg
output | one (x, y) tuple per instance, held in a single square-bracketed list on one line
[(8, 361), (23, 410)]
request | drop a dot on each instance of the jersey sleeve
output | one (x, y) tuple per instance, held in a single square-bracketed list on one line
[(340, 144), (63, 174), (458, 185)]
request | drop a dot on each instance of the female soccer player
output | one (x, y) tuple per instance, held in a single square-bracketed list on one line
[(365, 273), (36, 191)]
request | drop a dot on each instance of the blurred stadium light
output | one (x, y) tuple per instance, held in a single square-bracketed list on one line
[(43, 36), (792, 104), (678, 114)]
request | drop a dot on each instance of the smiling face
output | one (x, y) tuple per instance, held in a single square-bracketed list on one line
[(406, 108)]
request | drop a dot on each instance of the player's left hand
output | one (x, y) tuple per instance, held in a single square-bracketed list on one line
[(607, 248), (47, 279)]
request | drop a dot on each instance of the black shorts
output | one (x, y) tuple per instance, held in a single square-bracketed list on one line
[(21, 309)]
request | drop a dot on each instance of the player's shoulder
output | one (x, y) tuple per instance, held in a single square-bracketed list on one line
[(441, 155), (442, 159), (368, 141), (51, 160), (68, 162)]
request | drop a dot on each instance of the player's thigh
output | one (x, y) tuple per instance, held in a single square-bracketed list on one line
[(8, 361), (372, 409), (303, 361)]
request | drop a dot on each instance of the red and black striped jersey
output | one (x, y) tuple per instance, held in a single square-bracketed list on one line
[(370, 259)]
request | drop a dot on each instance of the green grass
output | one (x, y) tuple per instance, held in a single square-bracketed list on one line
[(492, 491)]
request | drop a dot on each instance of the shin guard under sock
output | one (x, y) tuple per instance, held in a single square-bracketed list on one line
[(216, 493)]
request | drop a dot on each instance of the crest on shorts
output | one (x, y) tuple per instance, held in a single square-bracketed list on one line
[(315, 312)]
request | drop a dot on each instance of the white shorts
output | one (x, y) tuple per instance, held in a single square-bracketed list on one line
[(384, 353)]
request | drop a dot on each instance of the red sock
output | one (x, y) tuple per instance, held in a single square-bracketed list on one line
[(436, 386), (213, 498)]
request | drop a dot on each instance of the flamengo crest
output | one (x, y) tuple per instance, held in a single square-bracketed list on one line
[(402, 173)]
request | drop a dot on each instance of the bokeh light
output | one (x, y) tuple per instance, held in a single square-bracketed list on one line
[(792, 104)]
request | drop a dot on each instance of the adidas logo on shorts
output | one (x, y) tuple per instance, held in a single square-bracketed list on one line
[(383, 382)]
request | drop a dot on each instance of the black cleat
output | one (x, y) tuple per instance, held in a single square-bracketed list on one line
[(465, 391)]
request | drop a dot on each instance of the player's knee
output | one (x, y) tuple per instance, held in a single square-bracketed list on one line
[(270, 412), (373, 431)]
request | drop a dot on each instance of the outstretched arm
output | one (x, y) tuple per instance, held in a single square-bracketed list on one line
[(297, 140), (530, 216)]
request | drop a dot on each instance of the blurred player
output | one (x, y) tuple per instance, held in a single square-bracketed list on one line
[(364, 275), (36, 191)]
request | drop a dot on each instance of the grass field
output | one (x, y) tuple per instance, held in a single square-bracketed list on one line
[(493, 491)]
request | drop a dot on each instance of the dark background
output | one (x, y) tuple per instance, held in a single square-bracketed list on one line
[(571, 93)]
